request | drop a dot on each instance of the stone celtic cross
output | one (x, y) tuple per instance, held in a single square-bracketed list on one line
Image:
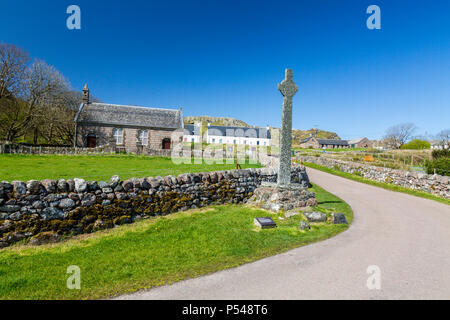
[(288, 89)]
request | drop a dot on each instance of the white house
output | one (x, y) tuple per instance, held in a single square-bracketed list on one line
[(229, 135), (192, 133), (238, 135), (439, 145)]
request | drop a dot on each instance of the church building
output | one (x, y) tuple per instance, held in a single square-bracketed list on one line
[(128, 128)]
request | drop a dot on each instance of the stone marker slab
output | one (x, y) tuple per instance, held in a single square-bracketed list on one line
[(265, 223), (339, 218)]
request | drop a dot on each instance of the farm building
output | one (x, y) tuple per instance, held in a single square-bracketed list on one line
[(316, 143), (360, 143)]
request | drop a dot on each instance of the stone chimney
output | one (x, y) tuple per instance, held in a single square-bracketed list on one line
[(85, 98)]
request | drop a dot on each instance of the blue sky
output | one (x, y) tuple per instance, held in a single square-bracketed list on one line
[(225, 58)]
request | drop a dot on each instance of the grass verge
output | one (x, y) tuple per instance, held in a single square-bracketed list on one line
[(157, 251), (97, 167), (386, 186)]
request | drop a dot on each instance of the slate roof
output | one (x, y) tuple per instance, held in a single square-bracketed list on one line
[(225, 131), (333, 142), (355, 141), (192, 130), (129, 116), (305, 140)]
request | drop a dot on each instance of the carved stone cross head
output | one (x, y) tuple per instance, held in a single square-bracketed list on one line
[(288, 88)]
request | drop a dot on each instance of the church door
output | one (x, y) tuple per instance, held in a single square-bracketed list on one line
[(166, 144), (91, 141)]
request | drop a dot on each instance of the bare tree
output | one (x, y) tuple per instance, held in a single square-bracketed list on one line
[(444, 137), (398, 135), (42, 86), (13, 64), (36, 102), (13, 116), (43, 83), (57, 121)]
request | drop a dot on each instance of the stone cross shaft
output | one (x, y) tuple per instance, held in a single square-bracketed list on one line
[(288, 89)]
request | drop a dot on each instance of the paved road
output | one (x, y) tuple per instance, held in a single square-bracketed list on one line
[(407, 237)]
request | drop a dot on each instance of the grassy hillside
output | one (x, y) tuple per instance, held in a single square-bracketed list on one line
[(216, 121), (298, 135)]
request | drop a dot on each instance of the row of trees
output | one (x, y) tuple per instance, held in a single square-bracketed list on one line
[(399, 135), (36, 103)]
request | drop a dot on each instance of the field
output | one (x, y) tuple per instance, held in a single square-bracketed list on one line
[(413, 160), (96, 167), (157, 251), (387, 186)]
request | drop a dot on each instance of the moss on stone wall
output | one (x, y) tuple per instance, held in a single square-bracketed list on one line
[(76, 207)]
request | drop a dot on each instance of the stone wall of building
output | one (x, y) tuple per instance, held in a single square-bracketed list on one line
[(156, 137), (434, 184), (49, 209), (104, 135), (364, 143)]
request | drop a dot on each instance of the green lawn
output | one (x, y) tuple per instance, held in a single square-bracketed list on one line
[(157, 251), (96, 167), (387, 186)]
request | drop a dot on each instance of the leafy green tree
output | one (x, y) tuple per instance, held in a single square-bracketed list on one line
[(416, 144)]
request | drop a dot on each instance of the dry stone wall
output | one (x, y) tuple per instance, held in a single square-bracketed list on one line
[(434, 184), (59, 150), (48, 210)]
